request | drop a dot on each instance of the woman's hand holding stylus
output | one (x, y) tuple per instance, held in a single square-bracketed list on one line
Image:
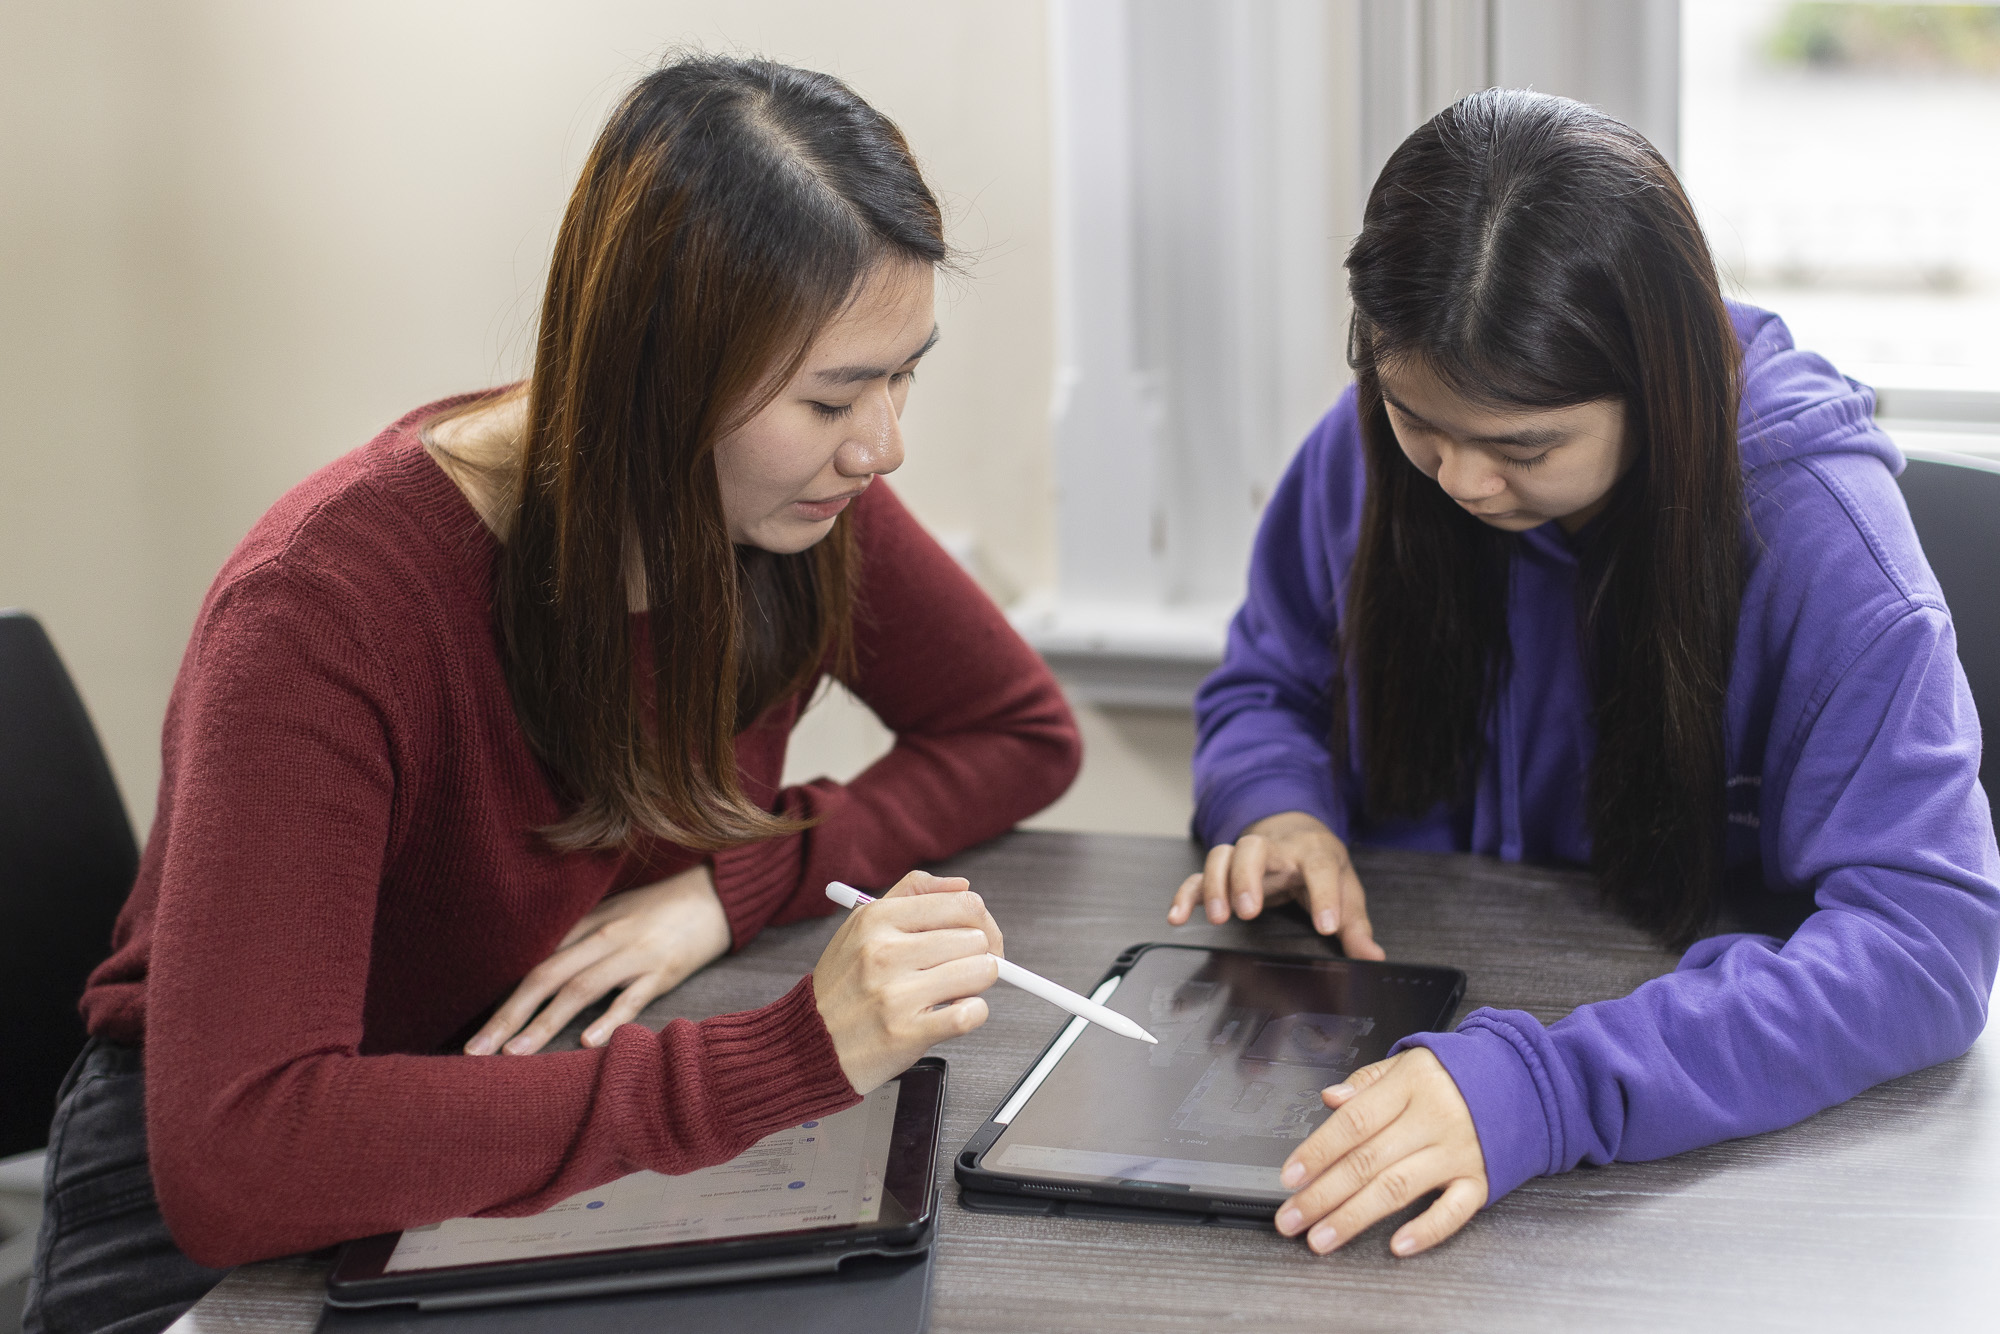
[(1399, 1131), (1288, 856), (647, 940), (904, 973)]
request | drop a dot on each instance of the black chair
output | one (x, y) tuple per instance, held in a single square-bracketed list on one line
[(1955, 503), (66, 864)]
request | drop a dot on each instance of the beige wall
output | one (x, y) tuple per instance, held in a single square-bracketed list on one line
[(75, 541), (237, 236)]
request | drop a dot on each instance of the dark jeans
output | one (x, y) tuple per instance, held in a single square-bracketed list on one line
[(105, 1262)]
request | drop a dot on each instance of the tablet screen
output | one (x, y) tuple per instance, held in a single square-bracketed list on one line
[(1247, 1042), (823, 1173)]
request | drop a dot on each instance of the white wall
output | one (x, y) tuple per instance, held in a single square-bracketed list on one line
[(240, 235)]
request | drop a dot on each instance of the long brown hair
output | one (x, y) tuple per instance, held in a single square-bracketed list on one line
[(729, 210), (1534, 253)]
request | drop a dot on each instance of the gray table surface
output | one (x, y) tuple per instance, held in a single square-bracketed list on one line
[(1883, 1213)]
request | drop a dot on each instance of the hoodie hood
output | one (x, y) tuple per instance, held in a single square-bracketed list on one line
[(1795, 404)]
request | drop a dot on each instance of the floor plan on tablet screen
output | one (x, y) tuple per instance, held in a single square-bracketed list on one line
[(824, 1173), (1232, 1086)]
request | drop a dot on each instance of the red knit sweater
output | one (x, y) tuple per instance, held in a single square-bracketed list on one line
[(342, 876)]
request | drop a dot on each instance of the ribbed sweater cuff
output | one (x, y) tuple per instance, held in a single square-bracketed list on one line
[(774, 1067), (755, 881), (1495, 1069)]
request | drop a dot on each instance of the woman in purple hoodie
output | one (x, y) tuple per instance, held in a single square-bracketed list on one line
[(1591, 566)]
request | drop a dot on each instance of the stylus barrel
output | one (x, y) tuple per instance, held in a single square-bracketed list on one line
[(1062, 996)]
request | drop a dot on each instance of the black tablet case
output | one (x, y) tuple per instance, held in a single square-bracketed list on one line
[(868, 1295), (887, 1291)]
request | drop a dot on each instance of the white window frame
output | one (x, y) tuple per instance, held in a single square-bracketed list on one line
[(1949, 425)]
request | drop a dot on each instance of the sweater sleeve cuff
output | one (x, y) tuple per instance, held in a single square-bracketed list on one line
[(774, 1067), (1512, 1108), (1224, 817), (754, 882), (765, 882)]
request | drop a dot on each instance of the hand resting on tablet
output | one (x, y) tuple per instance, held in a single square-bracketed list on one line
[(1399, 1130)]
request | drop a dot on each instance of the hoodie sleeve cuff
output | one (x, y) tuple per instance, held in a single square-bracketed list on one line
[(1223, 818), (1512, 1101)]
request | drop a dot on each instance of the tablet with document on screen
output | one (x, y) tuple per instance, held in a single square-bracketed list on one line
[(858, 1182)]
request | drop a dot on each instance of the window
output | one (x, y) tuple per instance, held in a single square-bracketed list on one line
[(1199, 183), (1845, 159)]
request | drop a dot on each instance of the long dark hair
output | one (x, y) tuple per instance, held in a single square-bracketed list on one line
[(1533, 253), (728, 211)]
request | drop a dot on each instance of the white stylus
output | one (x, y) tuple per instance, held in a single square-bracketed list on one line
[(847, 896)]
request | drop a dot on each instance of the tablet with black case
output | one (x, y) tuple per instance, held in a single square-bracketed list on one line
[(1201, 1123), (859, 1182)]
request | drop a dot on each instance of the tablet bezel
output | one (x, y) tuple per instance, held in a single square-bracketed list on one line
[(1219, 1204), (361, 1277)]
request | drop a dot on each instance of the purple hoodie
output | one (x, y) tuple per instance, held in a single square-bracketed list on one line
[(1853, 755)]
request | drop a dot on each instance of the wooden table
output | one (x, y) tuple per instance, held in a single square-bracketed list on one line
[(1880, 1214)]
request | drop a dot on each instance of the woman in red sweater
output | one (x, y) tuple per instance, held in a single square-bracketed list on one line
[(485, 721)]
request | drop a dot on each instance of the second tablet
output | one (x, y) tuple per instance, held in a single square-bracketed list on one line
[(1202, 1122)]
